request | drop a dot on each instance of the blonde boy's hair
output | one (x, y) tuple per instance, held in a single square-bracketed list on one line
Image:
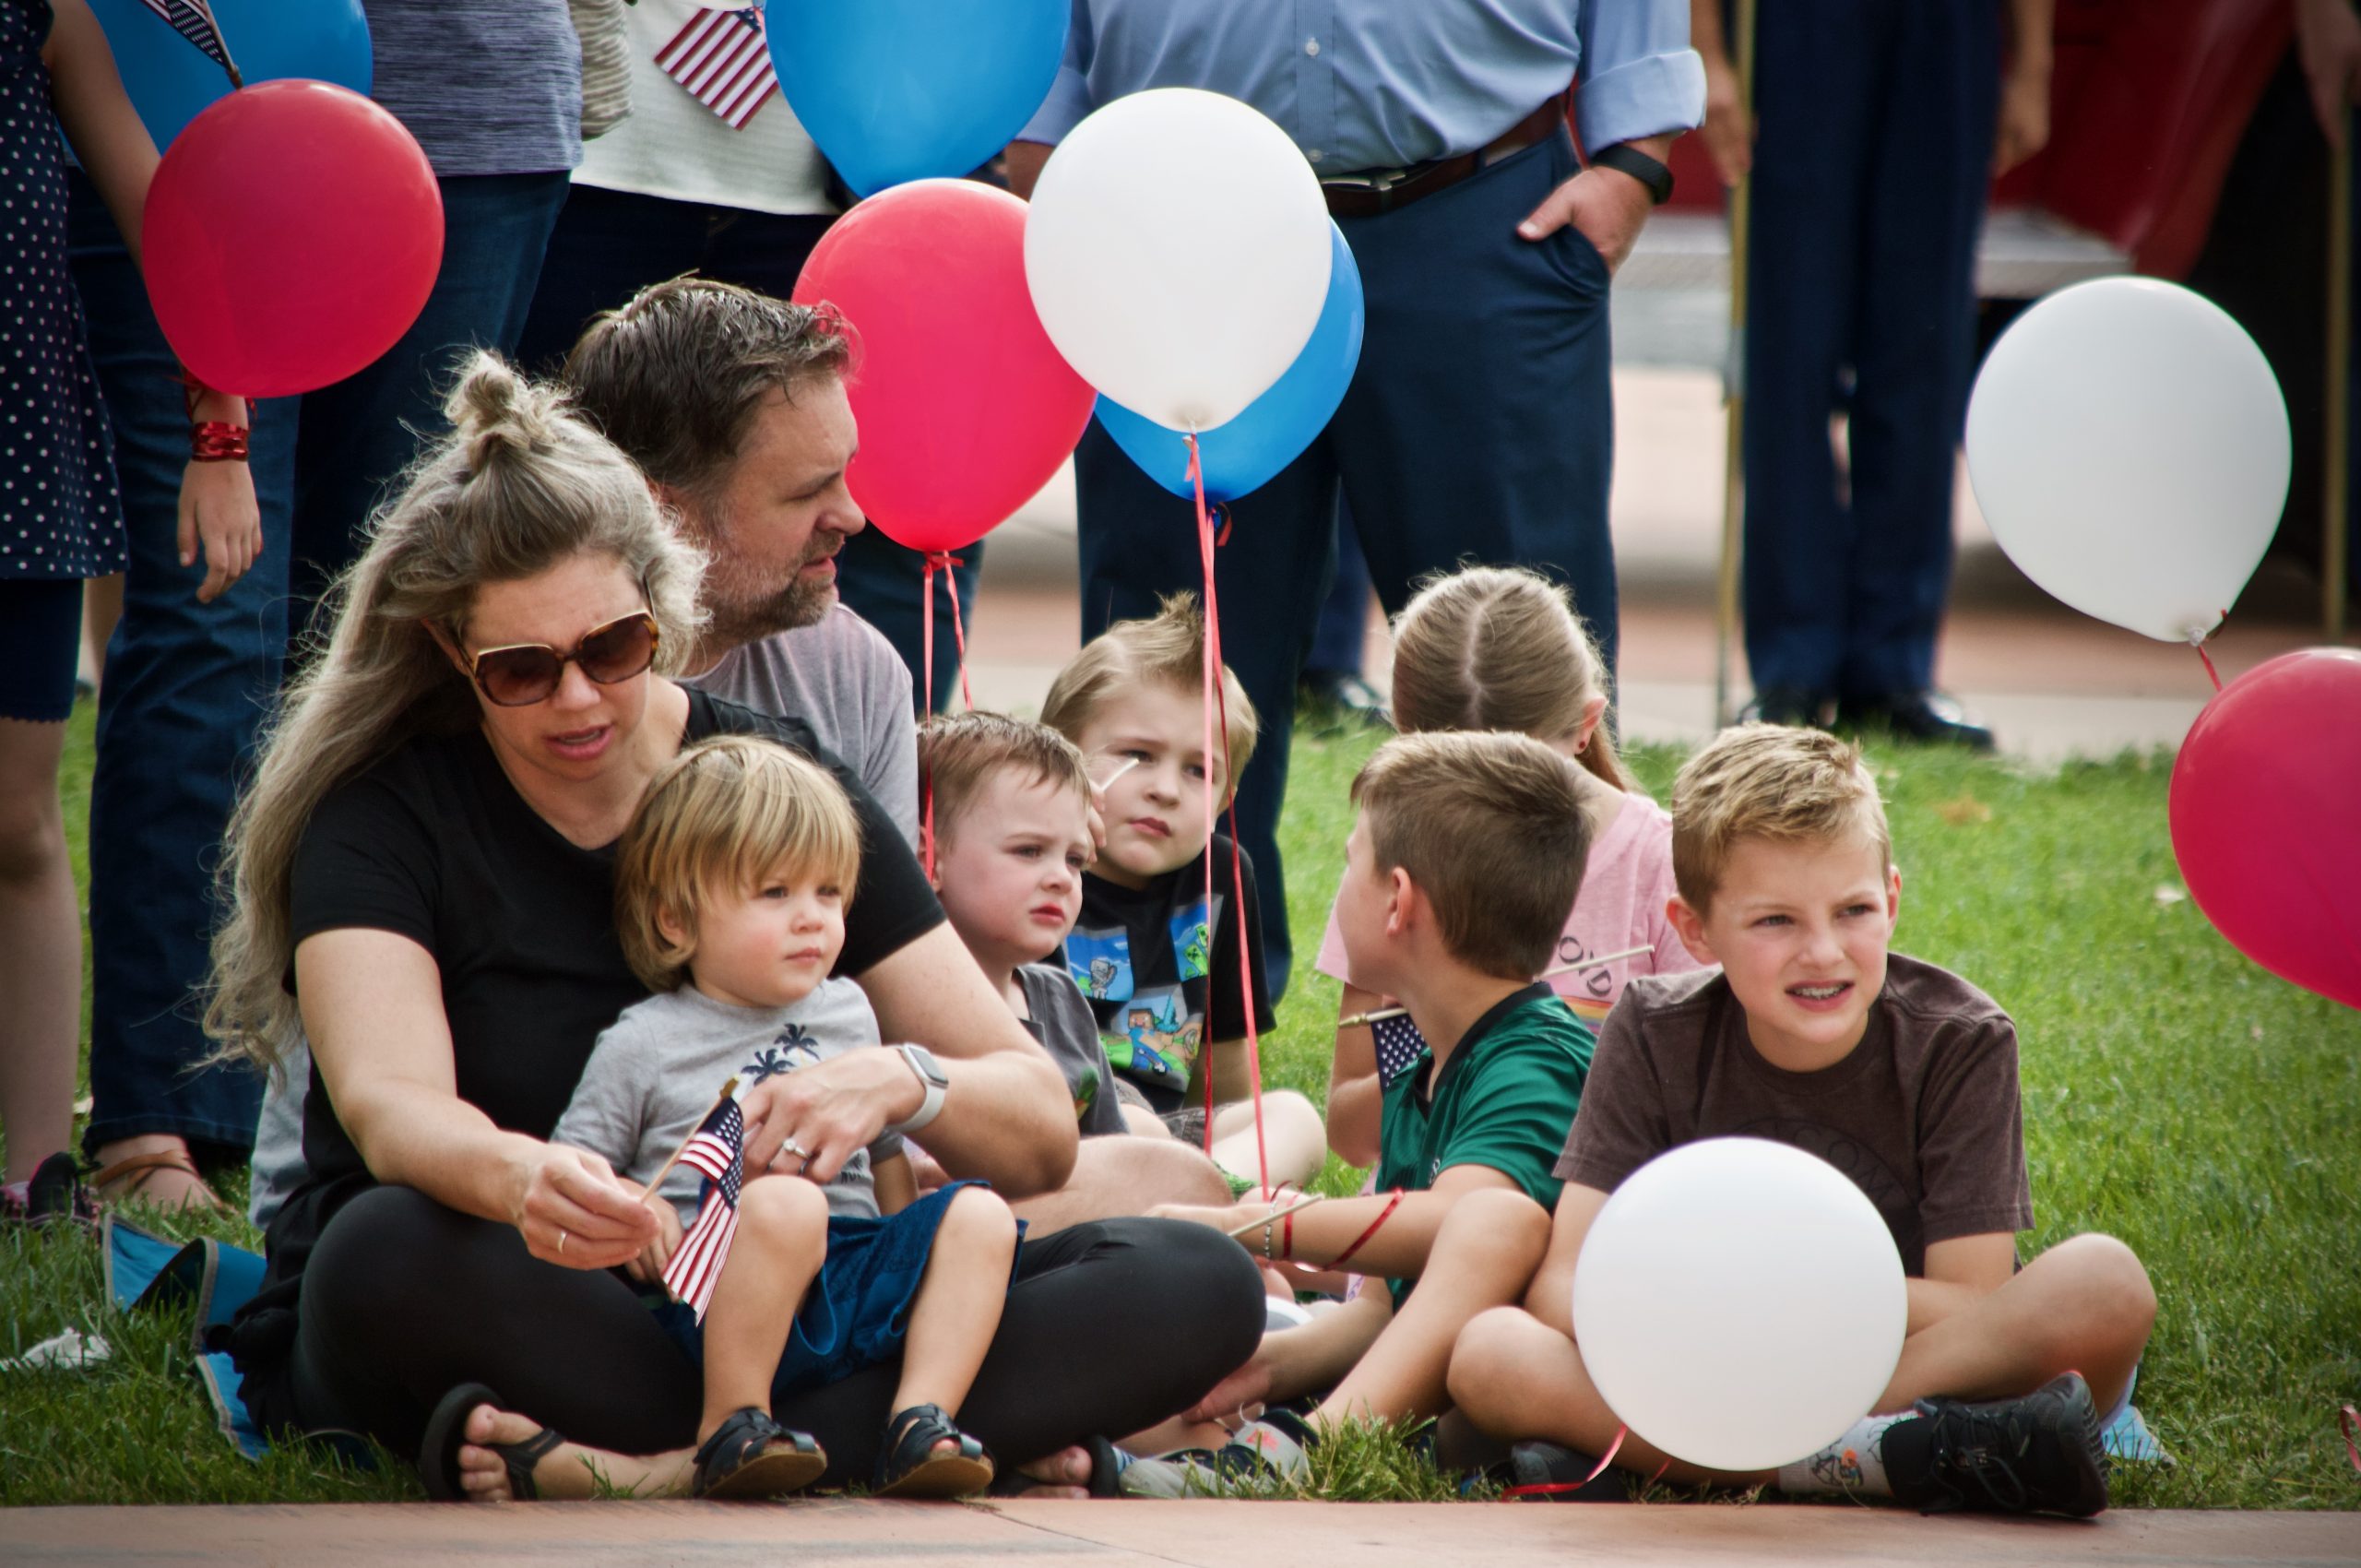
[(719, 818), (1490, 828), (1774, 782), (958, 753), (1499, 647), (1169, 648)]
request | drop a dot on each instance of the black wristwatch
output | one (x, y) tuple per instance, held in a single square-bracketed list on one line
[(1628, 159)]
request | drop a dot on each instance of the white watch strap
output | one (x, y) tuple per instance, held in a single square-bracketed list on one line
[(929, 1108)]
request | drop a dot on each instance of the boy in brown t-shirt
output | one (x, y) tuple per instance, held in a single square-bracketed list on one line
[(1902, 1075)]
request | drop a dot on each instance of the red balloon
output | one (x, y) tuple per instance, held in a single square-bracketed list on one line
[(2266, 816), (291, 236), (965, 410)]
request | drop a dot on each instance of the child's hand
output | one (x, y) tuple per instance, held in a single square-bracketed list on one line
[(218, 508), (649, 1265)]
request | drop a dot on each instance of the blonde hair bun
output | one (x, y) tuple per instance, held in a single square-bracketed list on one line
[(497, 411)]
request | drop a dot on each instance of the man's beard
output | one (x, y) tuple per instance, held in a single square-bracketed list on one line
[(742, 606)]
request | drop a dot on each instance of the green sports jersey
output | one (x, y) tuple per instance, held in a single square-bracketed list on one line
[(1507, 1097)]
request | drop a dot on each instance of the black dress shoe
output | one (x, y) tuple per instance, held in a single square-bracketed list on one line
[(1342, 695), (1916, 716), (1784, 704)]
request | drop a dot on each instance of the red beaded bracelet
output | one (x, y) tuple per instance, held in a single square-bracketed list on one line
[(217, 441)]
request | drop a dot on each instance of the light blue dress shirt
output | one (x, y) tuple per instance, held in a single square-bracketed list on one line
[(1380, 84)]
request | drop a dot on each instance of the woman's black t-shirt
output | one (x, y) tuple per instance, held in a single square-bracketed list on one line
[(434, 843)]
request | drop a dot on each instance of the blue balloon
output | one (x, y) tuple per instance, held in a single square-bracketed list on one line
[(1247, 453), (169, 79), (894, 90)]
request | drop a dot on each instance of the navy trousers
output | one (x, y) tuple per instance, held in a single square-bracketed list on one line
[(1478, 429), (187, 683), (610, 244), (1871, 160)]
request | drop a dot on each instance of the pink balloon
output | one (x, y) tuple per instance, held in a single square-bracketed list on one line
[(2266, 817), (291, 235), (965, 410)]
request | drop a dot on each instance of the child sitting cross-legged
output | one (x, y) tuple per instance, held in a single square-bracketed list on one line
[(729, 886), (1904, 1076), (1011, 814), (1160, 966), (1468, 850)]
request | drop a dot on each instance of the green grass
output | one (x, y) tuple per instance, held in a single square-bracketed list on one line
[(2174, 1095)]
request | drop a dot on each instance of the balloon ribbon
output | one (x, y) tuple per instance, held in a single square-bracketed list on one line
[(1217, 701), (1550, 1489), (942, 561), (2197, 641)]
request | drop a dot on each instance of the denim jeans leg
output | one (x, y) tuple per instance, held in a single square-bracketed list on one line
[(359, 434), (186, 685)]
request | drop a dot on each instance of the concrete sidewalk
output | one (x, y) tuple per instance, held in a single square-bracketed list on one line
[(820, 1534), (2053, 682)]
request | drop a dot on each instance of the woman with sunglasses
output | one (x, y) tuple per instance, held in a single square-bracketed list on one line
[(421, 885)]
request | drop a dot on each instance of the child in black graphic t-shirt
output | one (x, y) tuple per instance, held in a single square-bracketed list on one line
[(1156, 957)]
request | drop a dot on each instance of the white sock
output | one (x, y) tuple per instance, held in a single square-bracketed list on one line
[(1852, 1466)]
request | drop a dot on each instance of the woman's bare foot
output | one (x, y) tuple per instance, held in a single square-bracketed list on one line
[(567, 1472), (1066, 1474)]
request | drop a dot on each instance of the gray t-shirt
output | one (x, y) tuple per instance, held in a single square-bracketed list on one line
[(656, 1070), (1067, 1030), (844, 679), (486, 89)]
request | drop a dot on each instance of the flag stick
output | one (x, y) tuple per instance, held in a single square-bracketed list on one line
[(1278, 1214), (1355, 1020), (729, 1092)]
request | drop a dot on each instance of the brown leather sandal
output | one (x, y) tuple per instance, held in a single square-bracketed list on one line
[(122, 1181)]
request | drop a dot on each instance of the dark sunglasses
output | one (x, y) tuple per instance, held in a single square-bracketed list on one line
[(523, 673)]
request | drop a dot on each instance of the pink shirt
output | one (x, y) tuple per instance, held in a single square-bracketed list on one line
[(1625, 888)]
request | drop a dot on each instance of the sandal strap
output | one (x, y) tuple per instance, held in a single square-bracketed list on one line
[(910, 1437), (138, 1169), (521, 1459), (746, 1430)]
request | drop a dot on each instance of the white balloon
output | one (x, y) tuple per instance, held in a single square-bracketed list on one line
[(2129, 448), (1739, 1303), (1178, 252)]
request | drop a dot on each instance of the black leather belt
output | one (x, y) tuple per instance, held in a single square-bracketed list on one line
[(1374, 191)]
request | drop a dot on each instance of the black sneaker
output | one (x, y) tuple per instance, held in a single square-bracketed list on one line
[(1535, 1471), (55, 1195), (1786, 705), (2040, 1453)]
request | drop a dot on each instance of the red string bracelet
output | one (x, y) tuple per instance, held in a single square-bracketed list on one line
[(1359, 1241)]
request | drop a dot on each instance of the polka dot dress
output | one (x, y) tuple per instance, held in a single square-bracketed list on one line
[(61, 512)]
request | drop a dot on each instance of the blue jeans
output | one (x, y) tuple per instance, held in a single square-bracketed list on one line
[(1478, 428), (187, 683), (357, 436), (610, 244), (1870, 167)]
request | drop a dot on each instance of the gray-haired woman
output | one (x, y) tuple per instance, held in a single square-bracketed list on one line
[(420, 880)]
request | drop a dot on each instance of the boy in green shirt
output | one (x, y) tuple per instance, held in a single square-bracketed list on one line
[(1459, 874)]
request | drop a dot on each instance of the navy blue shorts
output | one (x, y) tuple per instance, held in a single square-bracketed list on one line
[(40, 648), (857, 1311)]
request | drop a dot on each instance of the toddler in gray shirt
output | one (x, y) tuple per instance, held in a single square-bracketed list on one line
[(729, 891)]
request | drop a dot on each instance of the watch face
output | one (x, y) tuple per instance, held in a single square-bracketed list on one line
[(929, 1069)]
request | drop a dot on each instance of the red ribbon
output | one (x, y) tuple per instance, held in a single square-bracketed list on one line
[(1217, 701), (2199, 643), (1548, 1489), (942, 561)]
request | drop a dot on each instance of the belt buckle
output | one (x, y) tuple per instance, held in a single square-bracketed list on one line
[(1379, 182)]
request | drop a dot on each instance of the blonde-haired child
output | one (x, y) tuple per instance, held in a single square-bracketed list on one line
[(1160, 966), (730, 886), (1494, 647)]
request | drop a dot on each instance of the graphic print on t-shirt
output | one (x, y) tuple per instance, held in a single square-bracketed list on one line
[(1192, 941), (1101, 962), (795, 1047), (1158, 1037)]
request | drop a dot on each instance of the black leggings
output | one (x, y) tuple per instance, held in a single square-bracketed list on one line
[(1110, 1327)]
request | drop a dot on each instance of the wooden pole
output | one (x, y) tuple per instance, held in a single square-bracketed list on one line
[(2336, 468), (1734, 390)]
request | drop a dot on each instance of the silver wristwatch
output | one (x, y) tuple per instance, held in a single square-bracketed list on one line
[(931, 1078)]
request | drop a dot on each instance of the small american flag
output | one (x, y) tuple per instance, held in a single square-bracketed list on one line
[(723, 58), (193, 19), (717, 1151), (1400, 1047)]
